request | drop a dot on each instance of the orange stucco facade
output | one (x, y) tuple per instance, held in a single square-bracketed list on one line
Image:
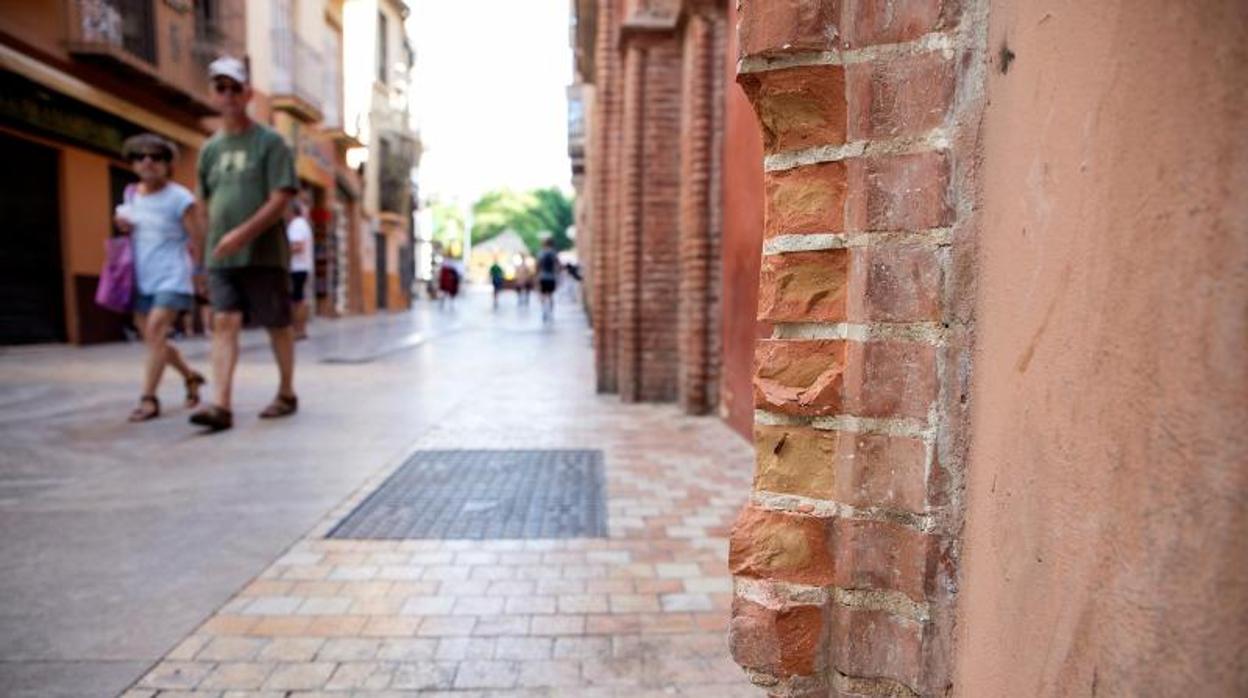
[(93, 94)]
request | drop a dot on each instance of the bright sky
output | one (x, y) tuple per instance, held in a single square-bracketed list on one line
[(490, 95)]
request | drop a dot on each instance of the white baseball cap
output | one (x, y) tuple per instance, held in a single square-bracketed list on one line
[(228, 67)]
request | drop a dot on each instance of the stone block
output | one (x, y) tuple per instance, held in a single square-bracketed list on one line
[(783, 546), (798, 107), (800, 377), (780, 26), (808, 199), (783, 643), (804, 286)]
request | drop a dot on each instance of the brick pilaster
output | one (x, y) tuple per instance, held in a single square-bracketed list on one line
[(604, 144), (846, 557), (628, 249), (695, 206)]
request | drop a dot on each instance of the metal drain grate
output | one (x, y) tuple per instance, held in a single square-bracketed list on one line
[(485, 494)]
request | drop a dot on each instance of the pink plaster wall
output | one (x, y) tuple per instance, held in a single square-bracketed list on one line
[(1106, 548)]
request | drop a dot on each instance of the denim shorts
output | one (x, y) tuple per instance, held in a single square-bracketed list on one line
[(172, 300)]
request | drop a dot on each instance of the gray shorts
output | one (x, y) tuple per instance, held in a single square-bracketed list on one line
[(261, 293)]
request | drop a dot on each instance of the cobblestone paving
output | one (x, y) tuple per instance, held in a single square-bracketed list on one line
[(641, 613)]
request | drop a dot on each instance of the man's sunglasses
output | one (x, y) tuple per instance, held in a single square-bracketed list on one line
[(154, 157), (224, 86)]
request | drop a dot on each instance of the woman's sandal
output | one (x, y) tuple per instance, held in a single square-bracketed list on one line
[(142, 413), (193, 382)]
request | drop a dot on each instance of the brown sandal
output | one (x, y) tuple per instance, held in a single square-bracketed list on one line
[(142, 413), (193, 383), (214, 417), (282, 406)]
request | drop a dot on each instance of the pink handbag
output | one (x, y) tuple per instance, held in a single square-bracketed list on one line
[(116, 289)]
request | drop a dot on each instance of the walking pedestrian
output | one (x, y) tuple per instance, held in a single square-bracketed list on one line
[(548, 278), (448, 283), (247, 178), (163, 221), (524, 280), (496, 280), (299, 234)]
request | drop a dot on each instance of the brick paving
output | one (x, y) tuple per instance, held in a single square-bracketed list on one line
[(643, 612)]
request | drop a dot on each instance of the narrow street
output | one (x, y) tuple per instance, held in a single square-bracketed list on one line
[(156, 559)]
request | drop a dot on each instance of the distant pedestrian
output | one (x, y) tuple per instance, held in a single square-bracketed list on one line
[(163, 221), (448, 283), (299, 234), (524, 280), (548, 278), (247, 178), (497, 279)]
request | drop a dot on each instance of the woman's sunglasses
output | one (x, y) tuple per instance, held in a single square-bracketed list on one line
[(154, 157)]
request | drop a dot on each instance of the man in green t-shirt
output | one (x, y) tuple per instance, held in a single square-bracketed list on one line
[(247, 178)]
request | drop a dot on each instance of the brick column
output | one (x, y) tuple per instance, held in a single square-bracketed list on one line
[(605, 144), (846, 556), (648, 234), (696, 261), (628, 249)]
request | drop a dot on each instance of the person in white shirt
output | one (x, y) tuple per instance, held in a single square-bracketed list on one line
[(300, 235)]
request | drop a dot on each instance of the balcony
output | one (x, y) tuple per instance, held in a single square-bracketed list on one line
[(576, 127), (121, 38), (120, 32), (396, 157), (298, 75)]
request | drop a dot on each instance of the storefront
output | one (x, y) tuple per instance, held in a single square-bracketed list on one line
[(62, 177)]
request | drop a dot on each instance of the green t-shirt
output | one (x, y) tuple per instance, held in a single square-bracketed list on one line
[(237, 173)]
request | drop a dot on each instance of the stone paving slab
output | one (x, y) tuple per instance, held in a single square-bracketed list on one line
[(642, 612)]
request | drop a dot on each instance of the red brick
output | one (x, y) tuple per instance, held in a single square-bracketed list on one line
[(807, 199), (881, 555), (779, 26), (782, 546), (804, 286), (895, 283), (889, 379), (799, 107), (876, 644), (783, 643), (873, 22), (857, 469), (904, 96), (901, 192), (801, 377)]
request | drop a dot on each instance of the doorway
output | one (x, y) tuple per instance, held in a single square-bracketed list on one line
[(32, 290), (379, 244)]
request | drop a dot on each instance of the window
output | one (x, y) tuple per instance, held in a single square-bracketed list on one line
[(383, 47)]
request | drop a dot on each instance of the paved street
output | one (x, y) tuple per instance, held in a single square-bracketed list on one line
[(125, 544)]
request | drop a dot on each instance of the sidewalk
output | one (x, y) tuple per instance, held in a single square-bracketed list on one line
[(641, 613)]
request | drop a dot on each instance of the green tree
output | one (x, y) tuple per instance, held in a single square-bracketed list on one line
[(448, 222), (531, 214)]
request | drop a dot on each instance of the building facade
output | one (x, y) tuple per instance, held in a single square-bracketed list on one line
[(295, 51), (988, 292), (82, 75), (378, 105), (79, 77), (653, 220)]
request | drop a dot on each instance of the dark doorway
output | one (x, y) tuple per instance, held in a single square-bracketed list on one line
[(32, 291), (379, 244)]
